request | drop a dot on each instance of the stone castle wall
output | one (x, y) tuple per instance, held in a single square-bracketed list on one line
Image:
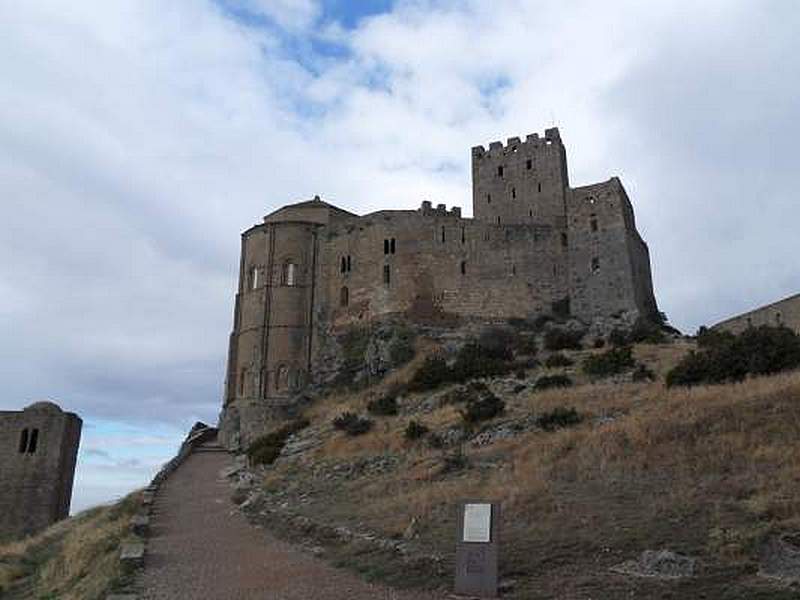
[(38, 452), (784, 312), (534, 244)]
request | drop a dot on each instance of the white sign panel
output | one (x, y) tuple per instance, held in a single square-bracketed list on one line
[(477, 522)]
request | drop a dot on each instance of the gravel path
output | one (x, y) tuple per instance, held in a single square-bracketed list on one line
[(202, 549)]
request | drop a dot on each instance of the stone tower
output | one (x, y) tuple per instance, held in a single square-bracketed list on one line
[(38, 452), (521, 182)]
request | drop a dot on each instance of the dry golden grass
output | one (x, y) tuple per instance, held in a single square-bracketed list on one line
[(76, 559)]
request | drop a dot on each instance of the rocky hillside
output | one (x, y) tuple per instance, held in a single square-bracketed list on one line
[(612, 485)]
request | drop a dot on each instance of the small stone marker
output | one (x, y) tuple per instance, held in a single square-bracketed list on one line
[(476, 549)]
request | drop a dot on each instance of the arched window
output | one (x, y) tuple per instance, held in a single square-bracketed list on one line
[(344, 296), (33, 441), (23, 441), (344, 264), (242, 381), (282, 378), (289, 274)]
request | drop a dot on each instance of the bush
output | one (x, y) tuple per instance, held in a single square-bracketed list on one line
[(415, 430), (558, 360), (708, 338), (454, 461), (618, 337), (552, 381), (431, 374), (647, 332), (352, 424), (599, 343), (643, 373), (558, 418), (267, 448), (401, 348), (497, 343), (757, 351), (474, 361), (563, 339), (610, 362), (354, 348), (483, 409), (520, 374), (384, 406), (526, 345)]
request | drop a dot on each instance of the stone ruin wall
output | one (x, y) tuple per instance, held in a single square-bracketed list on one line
[(784, 312), (37, 478)]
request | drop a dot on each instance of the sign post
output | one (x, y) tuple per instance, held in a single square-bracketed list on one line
[(476, 549)]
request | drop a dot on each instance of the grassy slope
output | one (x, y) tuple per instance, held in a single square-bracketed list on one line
[(76, 559), (709, 472)]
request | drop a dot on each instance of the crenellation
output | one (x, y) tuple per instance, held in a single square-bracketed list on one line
[(533, 243)]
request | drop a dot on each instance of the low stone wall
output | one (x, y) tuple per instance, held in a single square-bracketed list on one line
[(785, 312)]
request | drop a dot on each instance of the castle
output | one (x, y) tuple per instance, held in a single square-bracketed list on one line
[(534, 246), (37, 467)]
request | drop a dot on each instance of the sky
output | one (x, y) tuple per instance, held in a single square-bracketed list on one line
[(138, 138)]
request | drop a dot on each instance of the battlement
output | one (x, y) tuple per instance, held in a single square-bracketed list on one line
[(426, 209), (515, 144)]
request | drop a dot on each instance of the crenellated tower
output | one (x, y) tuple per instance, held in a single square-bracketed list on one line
[(521, 182)]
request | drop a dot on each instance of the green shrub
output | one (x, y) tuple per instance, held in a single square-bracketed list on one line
[(497, 343), (383, 406), (474, 361), (756, 351), (557, 338), (267, 448), (401, 348), (483, 409), (552, 381), (610, 362), (643, 373), (352, 424), (526, 345), (415, 430), (708, 338), (431, 374), (558, 418), (618, 337), (558, 360), (647, 332)]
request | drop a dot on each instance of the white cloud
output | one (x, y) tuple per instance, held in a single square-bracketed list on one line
[(289, 14)]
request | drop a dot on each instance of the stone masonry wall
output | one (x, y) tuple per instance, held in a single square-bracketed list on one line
[(37, 476), (784, 312)]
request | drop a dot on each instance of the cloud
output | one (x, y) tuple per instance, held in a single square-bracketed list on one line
[(137, 139)]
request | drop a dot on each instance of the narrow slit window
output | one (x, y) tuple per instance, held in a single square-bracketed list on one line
[(513, 192), (463, 267), (386, 246), (392, 246), (290, 274), (500, 171), (488, 198), (349, 263), (564, 240), (498, 219), (539, 187), (23, 441), (443, 236), (387, 275), (33, 442), (595, 265), (593, 224), (344, 296), (530, 213), (344, 265), (242, 378), (463, 236), (529, 164), (513, 270)]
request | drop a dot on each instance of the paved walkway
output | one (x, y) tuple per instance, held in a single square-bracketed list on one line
[(202, 549)]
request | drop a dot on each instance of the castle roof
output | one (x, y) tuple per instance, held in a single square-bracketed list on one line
[(313, 211)]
